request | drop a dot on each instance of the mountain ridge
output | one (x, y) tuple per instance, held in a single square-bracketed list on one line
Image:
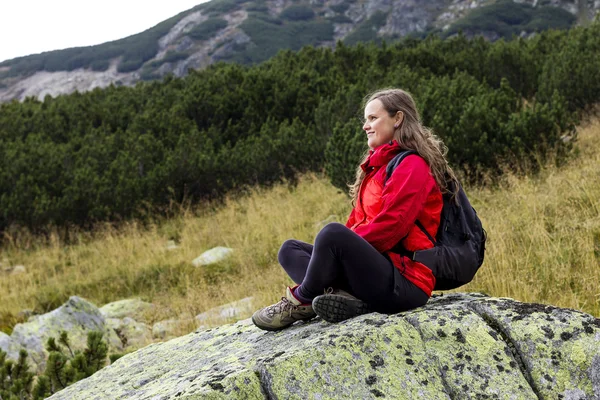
[(252, 31)]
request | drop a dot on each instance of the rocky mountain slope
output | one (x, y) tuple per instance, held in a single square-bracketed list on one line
[(252, 31), (458, 346)]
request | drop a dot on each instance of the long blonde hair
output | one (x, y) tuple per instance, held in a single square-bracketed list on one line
[(411, 135)]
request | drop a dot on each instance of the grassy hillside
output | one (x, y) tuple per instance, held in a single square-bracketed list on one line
[(544, 246)]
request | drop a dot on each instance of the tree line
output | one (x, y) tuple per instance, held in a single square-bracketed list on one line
[(121, 152)]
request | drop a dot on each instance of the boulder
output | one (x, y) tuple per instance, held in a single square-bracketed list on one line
[(212, 256), (170, 328), (9, 346), (458, 346), (77, 316), (133, 334), (227, 311), (132, 308)]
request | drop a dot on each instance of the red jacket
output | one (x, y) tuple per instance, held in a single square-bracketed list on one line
[(384, 214)]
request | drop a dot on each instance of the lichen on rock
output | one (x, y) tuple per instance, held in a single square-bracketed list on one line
[(465, 346), (77, 317)]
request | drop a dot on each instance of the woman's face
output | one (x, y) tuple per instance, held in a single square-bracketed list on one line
[(378, 125)]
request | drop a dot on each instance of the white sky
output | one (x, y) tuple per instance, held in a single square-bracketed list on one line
[(33, 26)]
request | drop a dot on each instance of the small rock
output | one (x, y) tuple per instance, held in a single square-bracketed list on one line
[(212, 256), (227, 311), (171, 245), (18, 270)]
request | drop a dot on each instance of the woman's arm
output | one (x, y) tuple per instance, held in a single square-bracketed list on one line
[(403, 198), (351, 219)]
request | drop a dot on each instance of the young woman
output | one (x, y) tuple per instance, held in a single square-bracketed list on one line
[(358, 268)]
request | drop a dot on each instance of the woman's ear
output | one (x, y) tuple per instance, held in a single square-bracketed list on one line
[(399, 117)]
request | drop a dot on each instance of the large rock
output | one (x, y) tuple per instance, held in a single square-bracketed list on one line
[(9, 346), (170, 328), (133, 334), (459, 346), (132, 308), (226, 312), (77, 316)]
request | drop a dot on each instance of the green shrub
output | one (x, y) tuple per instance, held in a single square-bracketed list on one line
[(572, 71), (297, 13), (367, 30), (207, 29), (174, 56), (63, 368), (126, 152), (343, 154), (507, 18), (269, 38), (257, 7), (222, 6), (266, 17), (340, 8), (340, 19), (100, 65), (130, 65)]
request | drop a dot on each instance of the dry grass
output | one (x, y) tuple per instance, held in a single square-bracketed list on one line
[(134, 261), (544, 232), (544, 246)]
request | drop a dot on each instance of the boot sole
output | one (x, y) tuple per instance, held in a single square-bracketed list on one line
[(278, 328), (335, 308)]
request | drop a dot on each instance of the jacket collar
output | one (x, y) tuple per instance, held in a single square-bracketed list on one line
[(381, 155)]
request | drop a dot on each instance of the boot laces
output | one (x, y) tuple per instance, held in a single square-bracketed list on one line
[(285, 305)]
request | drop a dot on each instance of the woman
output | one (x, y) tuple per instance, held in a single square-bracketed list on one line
[(359, 266)]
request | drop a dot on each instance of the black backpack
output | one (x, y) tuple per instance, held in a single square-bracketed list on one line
[(459, 244)]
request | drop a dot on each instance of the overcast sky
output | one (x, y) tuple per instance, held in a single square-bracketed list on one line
[(33, 26)]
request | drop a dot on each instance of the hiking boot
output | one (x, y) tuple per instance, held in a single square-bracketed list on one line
[(338, 305), (282, 314)]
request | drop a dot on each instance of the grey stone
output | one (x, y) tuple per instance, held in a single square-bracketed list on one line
[(459, 346), (18, 270), (212, 256), (171, 245), (9, 346), (226, 312), (132, 308), (77, 316), (170, 328), (133, 334)]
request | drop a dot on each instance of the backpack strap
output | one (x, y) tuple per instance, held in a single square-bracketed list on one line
[(394, 162), (392, 165)]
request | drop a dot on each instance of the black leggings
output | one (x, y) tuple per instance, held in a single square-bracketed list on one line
[(343, 260)]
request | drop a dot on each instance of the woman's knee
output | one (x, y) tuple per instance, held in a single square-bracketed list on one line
[(286, 251), (332, 232)]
